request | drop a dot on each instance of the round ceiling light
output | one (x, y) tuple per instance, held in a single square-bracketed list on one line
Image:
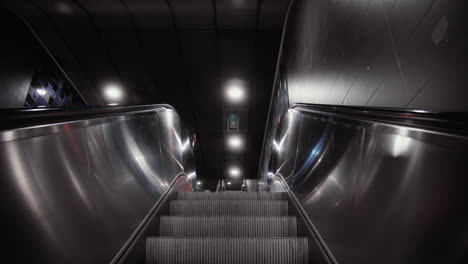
[(235, 92), (113, 92), (234, 172), (235, 142)]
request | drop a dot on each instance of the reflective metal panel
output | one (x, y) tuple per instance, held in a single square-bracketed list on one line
[(378, 192), (74, 192)]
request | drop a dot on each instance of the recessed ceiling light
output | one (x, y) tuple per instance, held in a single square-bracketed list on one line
[(198, 182), (235, 92), (113, 92), (235, 142), (64, 7), (228, 183), (234, 171)]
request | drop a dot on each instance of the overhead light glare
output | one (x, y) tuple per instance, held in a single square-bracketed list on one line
[(41, 92), (235, 92), (113, 92), (235, 142), (113, 104), (64, 8), (234, 171), (228, 183)]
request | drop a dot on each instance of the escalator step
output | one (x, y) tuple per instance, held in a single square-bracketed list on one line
[(226, 250), (228, 208), (202, 226), (231, 196)]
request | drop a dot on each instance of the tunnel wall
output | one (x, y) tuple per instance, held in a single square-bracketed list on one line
[(384, 53), (75, 192), (375, 191)]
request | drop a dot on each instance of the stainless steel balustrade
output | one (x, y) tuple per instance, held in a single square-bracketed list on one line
[(378, 185), (77, 183)]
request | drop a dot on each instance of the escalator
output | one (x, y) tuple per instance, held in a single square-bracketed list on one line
[(117, 185), (227, 227), (337, 185)]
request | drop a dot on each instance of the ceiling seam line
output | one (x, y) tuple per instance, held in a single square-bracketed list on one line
[(218, 67), (188, 87), (98, 32), (142, 47), (249, 147)]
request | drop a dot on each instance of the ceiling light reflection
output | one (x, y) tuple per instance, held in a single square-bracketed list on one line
[(192, 175), (185, 145), (41, 92)]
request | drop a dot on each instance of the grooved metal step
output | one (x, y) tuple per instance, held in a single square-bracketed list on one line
[(228, 208), (202, 226), (226, 250), (230, 196)]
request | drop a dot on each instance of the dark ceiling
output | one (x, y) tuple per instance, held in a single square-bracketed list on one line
[(180, 52)]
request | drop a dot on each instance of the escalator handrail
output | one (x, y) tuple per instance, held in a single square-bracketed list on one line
[(26, 117), (448, 122)]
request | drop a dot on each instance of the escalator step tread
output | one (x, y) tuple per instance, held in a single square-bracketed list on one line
[(231, 196), (202, 226), (226, 250), (229, 207)]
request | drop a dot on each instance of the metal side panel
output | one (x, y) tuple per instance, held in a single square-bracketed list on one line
[(75, 192), (380, 192)]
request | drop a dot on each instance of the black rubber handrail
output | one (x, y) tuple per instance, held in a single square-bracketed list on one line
[(452, 122), (24, 117)]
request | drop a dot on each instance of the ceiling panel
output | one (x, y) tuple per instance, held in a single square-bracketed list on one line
[(108, 14), (213, 149), (35, 17), (165, 64), (128, 55), (66, 14), (150, 15), (193, 15), (89, 50), (199, 51), (272, 14), (236, 54), (237, 14)]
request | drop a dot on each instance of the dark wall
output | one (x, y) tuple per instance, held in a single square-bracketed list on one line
[(28, 75), (385, 53), (16, 63)]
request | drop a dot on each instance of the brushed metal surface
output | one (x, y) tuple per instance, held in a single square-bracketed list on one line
[(376, 192), (74, 192)]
